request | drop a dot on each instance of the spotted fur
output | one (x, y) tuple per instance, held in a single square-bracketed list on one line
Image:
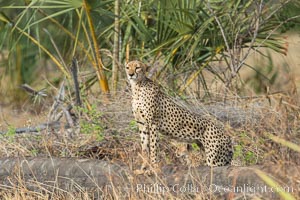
[(155, 112)]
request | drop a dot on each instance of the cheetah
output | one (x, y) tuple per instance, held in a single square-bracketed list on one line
[(155, 112)]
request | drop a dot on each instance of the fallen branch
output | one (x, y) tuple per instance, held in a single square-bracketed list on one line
[(50, 125), (103, 178)]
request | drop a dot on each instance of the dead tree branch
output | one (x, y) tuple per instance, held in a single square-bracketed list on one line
[(105, 177)]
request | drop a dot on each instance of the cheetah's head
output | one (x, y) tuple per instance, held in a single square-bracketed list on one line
[(136, 71)]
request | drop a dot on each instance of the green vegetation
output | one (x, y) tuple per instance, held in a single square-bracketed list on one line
[(243, 151), (185, 36), (133, 125), (10, 134), (195, 147), (90, 123)]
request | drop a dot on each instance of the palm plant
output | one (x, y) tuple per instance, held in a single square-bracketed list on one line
[(188, 36), (58, 30)]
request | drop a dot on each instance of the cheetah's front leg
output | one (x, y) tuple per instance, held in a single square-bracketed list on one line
[(144, 134), (149, 139), (153, 144), (153, 140)]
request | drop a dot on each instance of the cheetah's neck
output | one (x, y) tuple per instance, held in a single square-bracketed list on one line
[(135, 86)]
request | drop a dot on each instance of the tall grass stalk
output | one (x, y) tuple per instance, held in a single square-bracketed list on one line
[(284, 142), (274, 185)]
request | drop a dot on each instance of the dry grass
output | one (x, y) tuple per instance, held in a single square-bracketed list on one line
[(249, 120)]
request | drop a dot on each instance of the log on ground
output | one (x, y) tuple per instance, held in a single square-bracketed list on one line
[(102, 177)]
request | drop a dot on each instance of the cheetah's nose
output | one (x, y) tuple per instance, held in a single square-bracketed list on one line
[(131, 75)]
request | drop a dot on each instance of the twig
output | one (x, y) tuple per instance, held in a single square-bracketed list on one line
[(257, 25), (68, 117), (32, 91), (224, 37), (57, 102), (38, 128)]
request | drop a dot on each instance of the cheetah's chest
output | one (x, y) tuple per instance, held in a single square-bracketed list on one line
[(138, 106)]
